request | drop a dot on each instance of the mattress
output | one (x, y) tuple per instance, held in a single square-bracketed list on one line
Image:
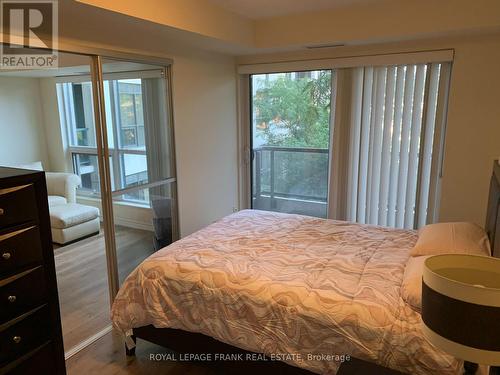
[(304, 290)]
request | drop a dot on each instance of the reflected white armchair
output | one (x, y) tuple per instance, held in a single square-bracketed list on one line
[(69, 220), (62, 185)]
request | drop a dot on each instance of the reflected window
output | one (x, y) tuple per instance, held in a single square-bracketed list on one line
[(126, 134), (82, 127), (131, 113)]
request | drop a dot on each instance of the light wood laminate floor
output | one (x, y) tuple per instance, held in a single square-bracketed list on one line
[(83, 282)]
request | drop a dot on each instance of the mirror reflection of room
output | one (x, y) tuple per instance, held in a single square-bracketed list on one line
[(48, 123)]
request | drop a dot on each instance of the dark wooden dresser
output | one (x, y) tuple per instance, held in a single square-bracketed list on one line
[(30, 324)]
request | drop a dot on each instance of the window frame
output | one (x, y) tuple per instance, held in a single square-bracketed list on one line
[(64, 87)]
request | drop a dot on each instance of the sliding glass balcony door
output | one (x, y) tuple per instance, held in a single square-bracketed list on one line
[(290, 120)]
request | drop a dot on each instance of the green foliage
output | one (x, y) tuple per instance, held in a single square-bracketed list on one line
[(293, 112)]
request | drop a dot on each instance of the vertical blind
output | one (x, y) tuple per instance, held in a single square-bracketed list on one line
[(392, 143)]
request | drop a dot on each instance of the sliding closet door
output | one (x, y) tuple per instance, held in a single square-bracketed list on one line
[(74, 147), (142, 172), (290, 122), (49, 120)]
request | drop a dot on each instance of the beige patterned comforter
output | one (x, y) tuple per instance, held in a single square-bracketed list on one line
[(277, 283)]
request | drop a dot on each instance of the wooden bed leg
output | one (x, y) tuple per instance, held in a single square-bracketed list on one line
[(131, 352), (470, 368)]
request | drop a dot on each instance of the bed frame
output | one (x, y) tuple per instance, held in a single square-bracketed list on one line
[(188, 342)]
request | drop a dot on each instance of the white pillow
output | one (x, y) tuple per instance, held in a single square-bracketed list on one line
[(411, 288), (451, 238)]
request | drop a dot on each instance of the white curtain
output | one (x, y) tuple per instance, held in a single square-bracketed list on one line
[(387, 143), (156, 129)]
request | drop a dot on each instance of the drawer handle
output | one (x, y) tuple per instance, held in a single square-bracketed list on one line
[(11, 299), (16, 339), (6, 256)]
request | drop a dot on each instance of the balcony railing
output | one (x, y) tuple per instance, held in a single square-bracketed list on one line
[(289, 179)]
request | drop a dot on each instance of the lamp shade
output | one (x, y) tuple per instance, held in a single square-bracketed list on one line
[(461, 306)]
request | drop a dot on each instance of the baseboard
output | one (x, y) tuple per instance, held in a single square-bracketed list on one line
[(125, 214), (134, 224)]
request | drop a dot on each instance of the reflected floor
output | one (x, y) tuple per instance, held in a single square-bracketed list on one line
[(83, 283)]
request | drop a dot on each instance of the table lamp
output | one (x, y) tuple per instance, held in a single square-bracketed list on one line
[(461, 307)]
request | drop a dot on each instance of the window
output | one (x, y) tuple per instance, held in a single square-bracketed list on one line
[(85, 165), (126, 135), (383, 166)]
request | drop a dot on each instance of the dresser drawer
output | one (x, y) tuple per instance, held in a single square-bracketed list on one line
[(17, 205), (19, 249), (40, 361), (22, 293), (21, 337)]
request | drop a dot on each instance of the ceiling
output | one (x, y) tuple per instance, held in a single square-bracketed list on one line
[(178, 27), (260, 9)]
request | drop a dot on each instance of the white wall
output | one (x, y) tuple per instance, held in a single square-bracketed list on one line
[(473, 130), (22, 139), (206, 140)]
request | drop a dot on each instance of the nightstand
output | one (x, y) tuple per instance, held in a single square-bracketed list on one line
[(359, 367)]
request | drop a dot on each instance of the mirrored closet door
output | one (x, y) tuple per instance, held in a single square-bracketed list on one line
[(48, 122), (101, 129), (142, 172)]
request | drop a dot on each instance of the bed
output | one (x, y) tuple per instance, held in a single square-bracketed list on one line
[(302, 290)]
